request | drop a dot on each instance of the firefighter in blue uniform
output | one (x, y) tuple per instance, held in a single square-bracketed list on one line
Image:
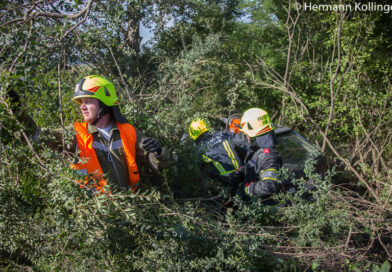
[(261, 170), (223, 150)]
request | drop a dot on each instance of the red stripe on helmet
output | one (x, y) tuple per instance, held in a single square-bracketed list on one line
[(95, 89), (263, 131)]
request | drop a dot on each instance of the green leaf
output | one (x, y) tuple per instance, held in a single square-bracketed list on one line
[(385, 267)]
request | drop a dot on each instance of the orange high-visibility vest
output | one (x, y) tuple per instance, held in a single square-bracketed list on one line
[(90, 164)]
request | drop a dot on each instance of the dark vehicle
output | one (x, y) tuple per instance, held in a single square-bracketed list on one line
[(296, 150)]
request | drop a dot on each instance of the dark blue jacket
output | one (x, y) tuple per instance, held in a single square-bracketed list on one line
[(226, 151), (261, 170)]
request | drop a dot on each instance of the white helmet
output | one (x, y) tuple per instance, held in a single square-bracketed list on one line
[(255, 122)]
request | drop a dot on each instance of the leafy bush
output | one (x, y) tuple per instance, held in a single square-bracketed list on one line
[(325, 74)]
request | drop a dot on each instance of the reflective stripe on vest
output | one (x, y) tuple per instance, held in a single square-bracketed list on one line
[(218, 166), (269, 174), (90, 160), (231, 154)]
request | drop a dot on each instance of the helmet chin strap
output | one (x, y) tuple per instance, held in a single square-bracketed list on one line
[(103, 109)]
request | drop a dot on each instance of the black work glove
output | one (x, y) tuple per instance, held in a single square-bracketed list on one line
[(241, 192), (264, 188), (151, 145), (235, 178)]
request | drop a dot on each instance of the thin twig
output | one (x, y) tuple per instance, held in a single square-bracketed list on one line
[(13, 65), (80, 22), (12, 115), (49, 14), (333, 78), (60, 98), (348, 239)]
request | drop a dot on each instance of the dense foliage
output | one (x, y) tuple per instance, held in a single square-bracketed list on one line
[(326, 74)]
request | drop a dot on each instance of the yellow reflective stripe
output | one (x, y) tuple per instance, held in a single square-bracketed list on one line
[(206, 159), (247, 191), (230, 153), (270, 169), (218, 166), (222, 170), (269, 178), (228, 172), (235, 164)]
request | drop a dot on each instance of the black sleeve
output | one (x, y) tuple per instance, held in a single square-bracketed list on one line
[(262, 159), (241, 144), (267, 158)]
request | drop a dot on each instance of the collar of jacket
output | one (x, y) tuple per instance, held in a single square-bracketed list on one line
[(91, 129), (204, 138), (266, 140)]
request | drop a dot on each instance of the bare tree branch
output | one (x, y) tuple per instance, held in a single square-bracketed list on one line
[(334, 76), (38, 14)]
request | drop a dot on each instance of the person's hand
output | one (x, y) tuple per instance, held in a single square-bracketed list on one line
[(235, 178), (151, 145)]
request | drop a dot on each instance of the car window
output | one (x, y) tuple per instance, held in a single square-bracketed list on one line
[(294, 149)]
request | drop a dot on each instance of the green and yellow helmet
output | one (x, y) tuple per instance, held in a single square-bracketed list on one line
[(96, 87), (197, 127), (255, 122)]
